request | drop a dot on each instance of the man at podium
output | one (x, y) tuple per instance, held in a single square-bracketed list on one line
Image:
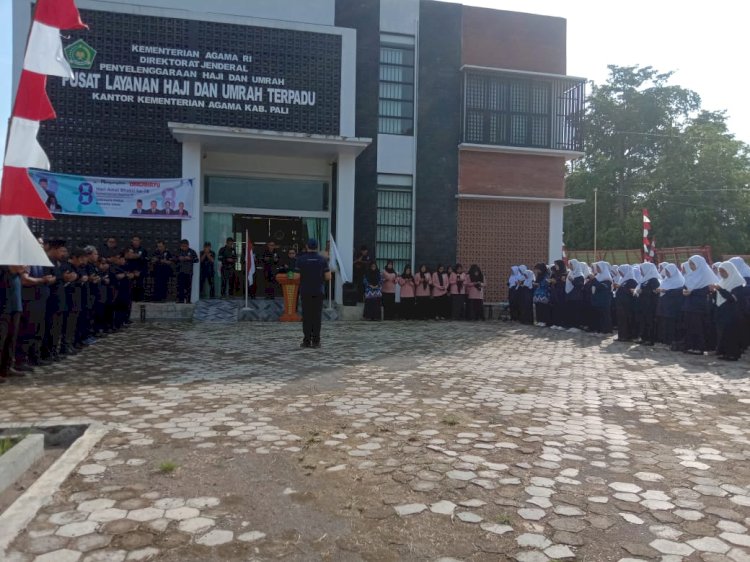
[(314, 274)]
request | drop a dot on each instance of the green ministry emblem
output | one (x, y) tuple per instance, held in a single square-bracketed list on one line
[(80, 55)]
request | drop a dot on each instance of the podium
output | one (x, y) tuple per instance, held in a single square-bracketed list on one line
[(290, 290)]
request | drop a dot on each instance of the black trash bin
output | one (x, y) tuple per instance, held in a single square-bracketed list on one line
[(349, 294)]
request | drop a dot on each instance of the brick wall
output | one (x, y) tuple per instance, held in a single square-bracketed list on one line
[(499, 39), (499, 234), (492, 173)]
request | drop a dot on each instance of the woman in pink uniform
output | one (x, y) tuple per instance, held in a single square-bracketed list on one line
[(423, 284), (475, 293), (389, 291), (457, 282), (441, 304), (408, 300)]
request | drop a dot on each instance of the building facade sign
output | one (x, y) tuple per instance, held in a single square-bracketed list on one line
[(204, 72)]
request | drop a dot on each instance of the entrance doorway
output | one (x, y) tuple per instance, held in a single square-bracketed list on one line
[(286, 232)]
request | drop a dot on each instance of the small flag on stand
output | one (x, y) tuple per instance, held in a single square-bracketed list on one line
[(250, 262)]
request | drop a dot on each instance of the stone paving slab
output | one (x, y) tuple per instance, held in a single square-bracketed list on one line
[(408, 441)]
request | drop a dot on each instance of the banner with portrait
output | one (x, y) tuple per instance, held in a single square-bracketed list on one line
[(115, 197)]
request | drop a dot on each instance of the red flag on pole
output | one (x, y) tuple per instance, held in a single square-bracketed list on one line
[(61, 14)]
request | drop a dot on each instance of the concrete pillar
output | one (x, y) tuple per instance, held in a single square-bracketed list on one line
[(192, 229), (344, 234), (555, 231)]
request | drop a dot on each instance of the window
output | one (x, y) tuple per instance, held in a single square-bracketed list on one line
[(511, 110), (299, 195), (396, 96), (394, 221)]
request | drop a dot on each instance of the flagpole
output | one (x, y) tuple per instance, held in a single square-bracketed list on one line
[(247, 266), (596, 191)]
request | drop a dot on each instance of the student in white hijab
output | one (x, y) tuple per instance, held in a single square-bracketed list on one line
[(601, 300), (698, 285), (744, 270), (573, 307), (729, 313), (669, 308), (742, 267), (637, 272), (625, 306), (526, 296), (513, 303), (647, 302)]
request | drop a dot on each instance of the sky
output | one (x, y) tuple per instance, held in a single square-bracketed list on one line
[(703, 42)]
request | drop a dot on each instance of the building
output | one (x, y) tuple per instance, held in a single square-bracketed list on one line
[(429, 131)]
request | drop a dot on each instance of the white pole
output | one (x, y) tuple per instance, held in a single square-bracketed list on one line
[(596, 201), (247, 267)]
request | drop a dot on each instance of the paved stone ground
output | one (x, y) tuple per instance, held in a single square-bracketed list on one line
[(394, 442)]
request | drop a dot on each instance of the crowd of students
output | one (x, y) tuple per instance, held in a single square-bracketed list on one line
[(693, 308)]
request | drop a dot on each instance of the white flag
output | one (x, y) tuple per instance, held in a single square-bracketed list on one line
[(24, 151), (250, 262), (18, 245), (337, 259), (44, 53)]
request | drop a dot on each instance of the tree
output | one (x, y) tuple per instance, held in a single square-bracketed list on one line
[(649, 144)]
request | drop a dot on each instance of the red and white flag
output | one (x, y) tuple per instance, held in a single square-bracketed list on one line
[(44, 52), (44, 57), (23, 150), (648, 247)]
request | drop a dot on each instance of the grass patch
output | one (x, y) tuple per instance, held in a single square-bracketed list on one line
[(451, 420), (520, 390), (503, 519), (168, 467), (6, 444)]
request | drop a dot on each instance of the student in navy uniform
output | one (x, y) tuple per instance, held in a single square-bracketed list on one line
[(729, 312), (601, 300), (669, 307), (627, 323), (137, 258), (11, 307), (162, 262), (574, 281), (208, 269), (314, 273), (648, 297), (110, 249), (228, 260), (699, 281), (185, 259)]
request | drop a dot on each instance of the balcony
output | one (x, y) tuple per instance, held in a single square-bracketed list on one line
[(511, 111)]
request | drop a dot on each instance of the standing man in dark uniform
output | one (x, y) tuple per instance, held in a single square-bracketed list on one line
[(11, 307), (314, 273), (228, 259), (35, 293), (162, 260), (271, 259), (137, 258), (208, 271), (57, 304), (186, 258)]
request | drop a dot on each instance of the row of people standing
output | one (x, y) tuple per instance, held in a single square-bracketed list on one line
[(48, 313), (447, 293), (692, 308)]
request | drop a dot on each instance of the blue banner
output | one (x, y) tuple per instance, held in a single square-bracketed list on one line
[(115, 197)]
